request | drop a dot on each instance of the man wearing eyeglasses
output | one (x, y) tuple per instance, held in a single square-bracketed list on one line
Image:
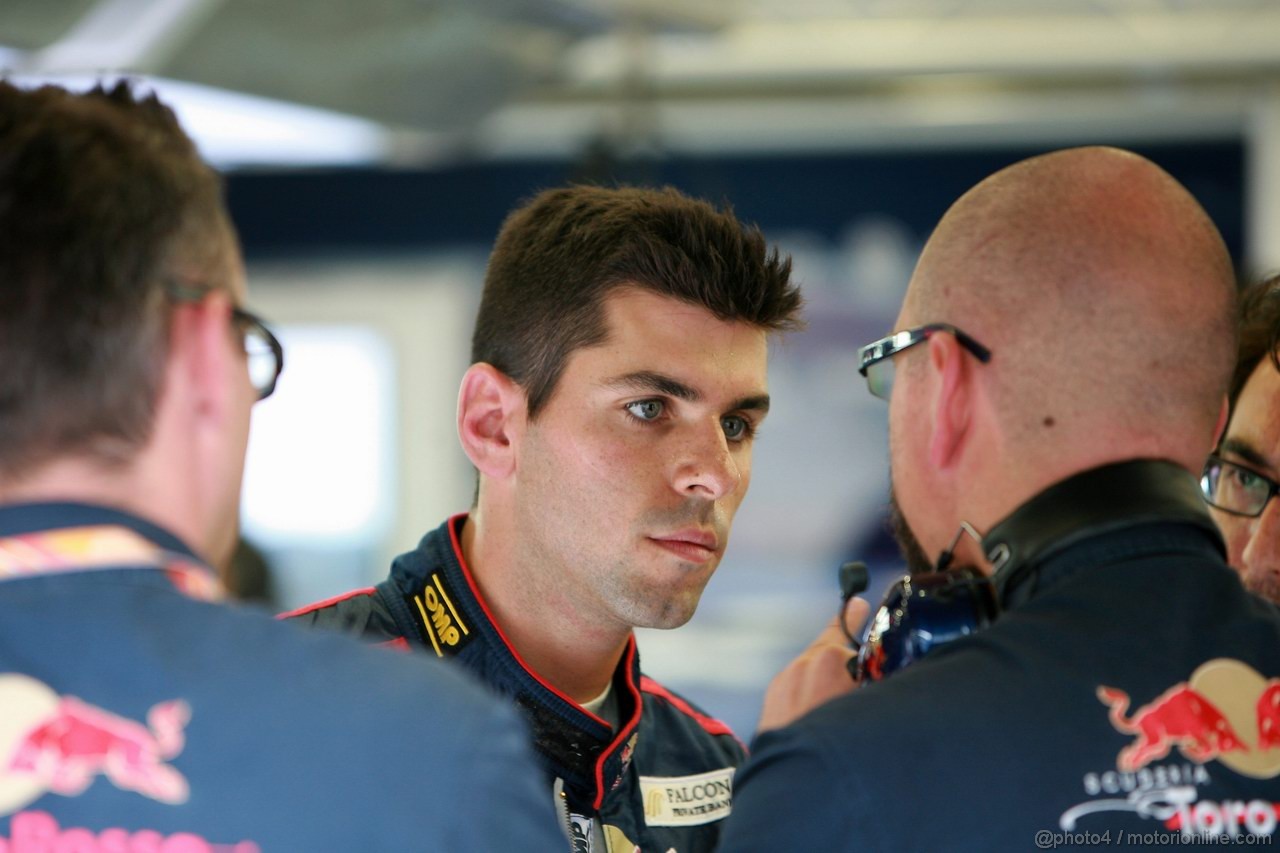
[(137, 711), (1240, 478), (1057, 375)]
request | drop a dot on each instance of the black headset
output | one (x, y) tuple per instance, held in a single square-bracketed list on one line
[(923, 611), (918, 614)]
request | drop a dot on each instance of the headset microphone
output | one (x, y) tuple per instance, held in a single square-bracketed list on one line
[(854, 579), (919, 612)]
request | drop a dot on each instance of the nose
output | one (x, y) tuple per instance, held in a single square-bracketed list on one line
[(706, 467), (1261, 555)]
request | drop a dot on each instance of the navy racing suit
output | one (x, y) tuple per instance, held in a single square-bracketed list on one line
[(659, 780)]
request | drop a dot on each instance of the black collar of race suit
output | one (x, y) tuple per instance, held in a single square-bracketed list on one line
[(1090, 504), (566, 742), (435, 592)]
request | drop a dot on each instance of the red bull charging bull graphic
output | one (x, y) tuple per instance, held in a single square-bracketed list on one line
[(52, 744), (1181, 717), (62, 745), (1224, 719), (77, 742), (1226, 712)]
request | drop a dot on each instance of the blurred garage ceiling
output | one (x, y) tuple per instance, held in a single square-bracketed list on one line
[(449, 79)]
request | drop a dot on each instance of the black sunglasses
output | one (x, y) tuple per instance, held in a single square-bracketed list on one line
[(875, 360)]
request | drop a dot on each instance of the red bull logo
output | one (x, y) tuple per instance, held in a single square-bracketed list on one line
[(1179, 717), (78, 742), (60, 744), (1226, 712)]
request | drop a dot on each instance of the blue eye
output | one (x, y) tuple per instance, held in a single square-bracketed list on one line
[(646, 410), (736, 428)]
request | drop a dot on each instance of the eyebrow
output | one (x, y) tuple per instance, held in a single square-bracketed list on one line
[(1245, 451), (647, 381)]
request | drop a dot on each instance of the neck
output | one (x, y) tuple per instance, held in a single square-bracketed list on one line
[(538, 616), (130, 487), (1010, 476)]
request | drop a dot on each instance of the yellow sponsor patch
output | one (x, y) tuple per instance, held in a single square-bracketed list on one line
[(687, 800), (441, 624)]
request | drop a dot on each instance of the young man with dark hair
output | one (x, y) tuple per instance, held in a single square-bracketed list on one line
[(136, 711), (619, 378), (1242, 476)]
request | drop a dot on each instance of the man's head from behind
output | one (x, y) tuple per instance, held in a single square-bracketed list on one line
[(115, 256), (1240, 477), (619, 374), (1106, 299)]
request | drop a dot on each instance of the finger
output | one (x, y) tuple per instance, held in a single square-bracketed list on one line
[(831, 635), (855, 614), (812, 679)]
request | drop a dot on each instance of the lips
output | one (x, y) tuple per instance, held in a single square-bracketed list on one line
[(692, 544)]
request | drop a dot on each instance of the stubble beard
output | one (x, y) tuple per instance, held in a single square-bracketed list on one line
[(646, 607), (908, 544)]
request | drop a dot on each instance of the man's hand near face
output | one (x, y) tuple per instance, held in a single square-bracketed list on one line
[(818, 675)]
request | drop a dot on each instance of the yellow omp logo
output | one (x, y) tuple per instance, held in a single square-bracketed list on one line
[(440, 619), (654, 803)]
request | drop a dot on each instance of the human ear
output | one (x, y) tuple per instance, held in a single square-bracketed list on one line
[(200, 359), (1224, 417), (491, 411), (952, 404)]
